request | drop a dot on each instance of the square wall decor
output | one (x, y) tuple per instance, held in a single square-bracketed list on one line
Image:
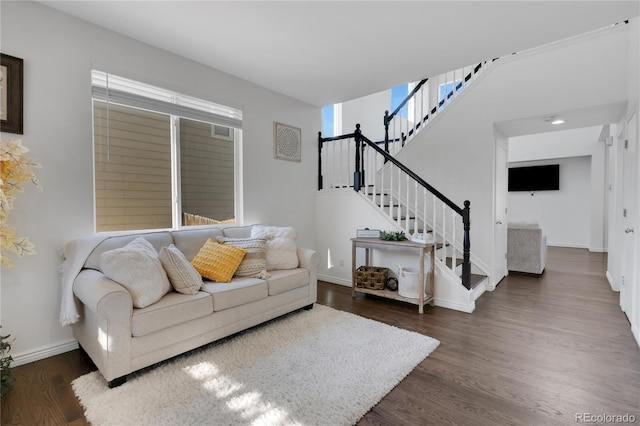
[(286, 142), (11, 86)]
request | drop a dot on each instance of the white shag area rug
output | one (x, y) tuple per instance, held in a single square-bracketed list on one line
[(316, 367)]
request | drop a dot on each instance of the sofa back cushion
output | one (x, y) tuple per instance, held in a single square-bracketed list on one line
[(237, 231), (190, 241), (157, 240)]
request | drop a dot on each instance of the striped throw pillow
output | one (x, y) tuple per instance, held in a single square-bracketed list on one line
[(254, 264)]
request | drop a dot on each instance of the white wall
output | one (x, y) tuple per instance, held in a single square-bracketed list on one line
[(455, 153), (335, 212), (59, 52), (563, 215), (369, 112), (574, 215)]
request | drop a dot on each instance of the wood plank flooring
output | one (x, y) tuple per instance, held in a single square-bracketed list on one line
[(536, 351)]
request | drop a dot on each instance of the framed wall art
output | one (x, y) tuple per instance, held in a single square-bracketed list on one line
[(11, 87), (286, 142)]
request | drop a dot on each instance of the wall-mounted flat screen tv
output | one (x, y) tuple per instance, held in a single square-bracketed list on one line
[(535, 178)]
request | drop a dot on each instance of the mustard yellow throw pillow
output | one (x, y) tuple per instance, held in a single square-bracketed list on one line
[(218, 262)]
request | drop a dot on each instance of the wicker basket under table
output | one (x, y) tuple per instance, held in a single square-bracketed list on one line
[(372, 277)]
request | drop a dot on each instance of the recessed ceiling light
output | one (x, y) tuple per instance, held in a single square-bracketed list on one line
[(553, 120)]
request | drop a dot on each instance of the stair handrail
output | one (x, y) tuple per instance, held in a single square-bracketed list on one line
[(464, 212), (388, 117)]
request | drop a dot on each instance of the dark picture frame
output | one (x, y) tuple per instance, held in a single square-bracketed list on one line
[(11, 92)]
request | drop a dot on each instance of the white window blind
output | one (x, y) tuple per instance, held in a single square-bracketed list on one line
[(119, 90)]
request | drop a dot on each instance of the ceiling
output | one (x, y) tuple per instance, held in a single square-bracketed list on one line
[(325, 52)]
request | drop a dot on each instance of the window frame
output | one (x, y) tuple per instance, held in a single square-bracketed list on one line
[(131, 94)]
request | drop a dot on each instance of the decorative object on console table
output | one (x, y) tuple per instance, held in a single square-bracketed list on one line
[(372, 277), (368, 233), (393, 236), (286, 142), (392, 284), (11, 87)]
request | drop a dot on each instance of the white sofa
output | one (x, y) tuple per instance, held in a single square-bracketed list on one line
[(121, 339), (526, 248)]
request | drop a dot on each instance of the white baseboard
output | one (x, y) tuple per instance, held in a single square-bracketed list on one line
[(636, 333), (44, 352), (455, 306), (567, 245), (613, 286), (334, 280), (598, 250)]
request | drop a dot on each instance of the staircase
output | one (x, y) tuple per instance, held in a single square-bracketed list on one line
[(408, 203)]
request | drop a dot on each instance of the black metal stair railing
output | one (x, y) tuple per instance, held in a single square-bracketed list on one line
[(358, 183), (422, 119)]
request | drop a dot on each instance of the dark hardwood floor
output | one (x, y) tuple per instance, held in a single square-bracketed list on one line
[(536, 351)]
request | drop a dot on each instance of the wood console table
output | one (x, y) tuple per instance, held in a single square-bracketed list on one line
[(407, 246)]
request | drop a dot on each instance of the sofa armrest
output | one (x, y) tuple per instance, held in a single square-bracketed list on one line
[(104, 328), (101, 295), (310, 260)]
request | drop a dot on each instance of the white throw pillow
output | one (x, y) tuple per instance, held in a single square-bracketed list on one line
[(282, 252), (137, 268), (183, 276)]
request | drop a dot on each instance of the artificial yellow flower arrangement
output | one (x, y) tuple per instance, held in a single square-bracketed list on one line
[(15, 170)]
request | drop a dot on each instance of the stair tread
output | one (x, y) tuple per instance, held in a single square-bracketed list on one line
[(476, 279), (459, 261)]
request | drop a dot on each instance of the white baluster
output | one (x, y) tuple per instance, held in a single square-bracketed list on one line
[(415, 119), (444, 233), (382, 185), (399, 210), (434, 230), (390, 190), (406, 210), (333, 164), (415, 204), (393, 137), (453, 241), (424, 213), (421, 106)]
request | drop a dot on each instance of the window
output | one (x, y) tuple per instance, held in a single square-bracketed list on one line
[(399, 94), (162, 160), (446, 89), (328, 121)]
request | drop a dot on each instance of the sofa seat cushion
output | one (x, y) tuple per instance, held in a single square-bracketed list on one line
[(239, 291), (174, 308), (285, 280)]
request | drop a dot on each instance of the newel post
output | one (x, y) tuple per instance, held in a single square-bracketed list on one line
[(319, 161), (466, 247), (356, 172), (386, 132)]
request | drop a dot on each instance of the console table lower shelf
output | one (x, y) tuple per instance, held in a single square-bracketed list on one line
[(427, 296), (395, 296)]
